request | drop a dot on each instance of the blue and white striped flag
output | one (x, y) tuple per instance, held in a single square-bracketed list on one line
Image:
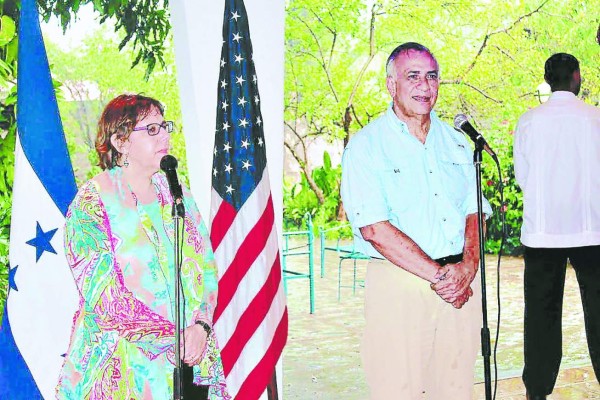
[(42, 294)]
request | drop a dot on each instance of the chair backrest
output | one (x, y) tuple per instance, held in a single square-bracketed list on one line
[(308, 232), (338, 246)]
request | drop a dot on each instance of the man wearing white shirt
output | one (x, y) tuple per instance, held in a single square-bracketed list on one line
[(557, 165)]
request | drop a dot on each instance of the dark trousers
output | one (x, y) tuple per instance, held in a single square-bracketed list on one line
[(545, 271), (191, 391)]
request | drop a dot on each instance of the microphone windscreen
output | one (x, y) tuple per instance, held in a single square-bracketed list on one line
[(168, 162), (459, 120)]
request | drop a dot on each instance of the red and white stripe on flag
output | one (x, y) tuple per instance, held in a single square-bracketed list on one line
[(251, 320)]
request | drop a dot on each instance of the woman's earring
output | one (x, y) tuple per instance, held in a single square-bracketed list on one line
[(126, 162)]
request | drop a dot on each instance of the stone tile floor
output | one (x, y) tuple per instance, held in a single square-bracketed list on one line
[(322, 361)]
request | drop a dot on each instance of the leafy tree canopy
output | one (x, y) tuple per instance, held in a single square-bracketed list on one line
[(145, 23)]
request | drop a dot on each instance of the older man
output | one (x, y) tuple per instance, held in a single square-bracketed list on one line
[(556, 153), (408, 187)]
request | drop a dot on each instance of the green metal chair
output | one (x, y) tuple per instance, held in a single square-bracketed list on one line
[(304, 249), (340, 249), (354, 256)]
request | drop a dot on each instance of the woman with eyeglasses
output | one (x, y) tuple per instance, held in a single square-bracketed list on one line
[(119, 244)]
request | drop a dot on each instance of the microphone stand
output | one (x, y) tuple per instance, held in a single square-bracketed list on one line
[(485, 332), (178, 215)]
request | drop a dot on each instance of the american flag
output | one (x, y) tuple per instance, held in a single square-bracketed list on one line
[(251, 320)]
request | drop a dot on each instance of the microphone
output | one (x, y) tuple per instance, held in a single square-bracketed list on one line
[(169, 165), (461, 123)]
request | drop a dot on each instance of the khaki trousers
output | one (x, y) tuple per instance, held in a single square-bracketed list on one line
[(416, 346)]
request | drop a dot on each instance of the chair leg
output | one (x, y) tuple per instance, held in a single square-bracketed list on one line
[(322, 238), (354, 279), (311, 280), (340, 278), (283, 274)]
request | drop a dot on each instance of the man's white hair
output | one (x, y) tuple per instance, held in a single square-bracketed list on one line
[(404, 48)]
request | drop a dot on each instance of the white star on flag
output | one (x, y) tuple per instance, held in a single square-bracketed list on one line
[(236, 37), (243, 122), (225, 127), (240, 79), (242, 101), (245, 143), (226, 147), (228, 168), (238, 58), (246, 165)]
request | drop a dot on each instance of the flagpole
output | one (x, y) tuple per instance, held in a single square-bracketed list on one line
[(272, 392)]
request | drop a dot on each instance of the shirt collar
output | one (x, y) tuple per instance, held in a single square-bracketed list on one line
[(393, 118), (562, 95)]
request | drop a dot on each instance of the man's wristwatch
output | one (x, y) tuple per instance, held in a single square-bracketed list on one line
[(204, 326)]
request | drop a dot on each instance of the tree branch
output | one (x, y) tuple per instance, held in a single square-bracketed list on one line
[(505, 30), (300, 138), (322, 61), (372, 51), (356, 116), (307, 173), (458, 81), (331, 30), (501, 50)]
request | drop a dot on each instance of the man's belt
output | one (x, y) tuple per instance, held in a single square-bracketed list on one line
[(442, 261), (449, 259)]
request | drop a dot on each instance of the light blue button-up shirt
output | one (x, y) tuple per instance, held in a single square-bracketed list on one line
[(424, 190)]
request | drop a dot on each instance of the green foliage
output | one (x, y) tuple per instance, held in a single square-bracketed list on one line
[(327, 48), (8, 99), (145, 22), (299, 199), (511, 210), (96, 73), (6, 179)]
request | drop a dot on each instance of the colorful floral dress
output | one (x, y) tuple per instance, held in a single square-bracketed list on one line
[(121, 255)]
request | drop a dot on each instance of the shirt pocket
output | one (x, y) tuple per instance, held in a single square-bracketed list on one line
[(456, 169), (403, 186)]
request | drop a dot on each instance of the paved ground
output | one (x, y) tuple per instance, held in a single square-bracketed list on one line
[(321, 360)]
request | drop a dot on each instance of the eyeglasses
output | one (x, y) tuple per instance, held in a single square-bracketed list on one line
[(154, 129)]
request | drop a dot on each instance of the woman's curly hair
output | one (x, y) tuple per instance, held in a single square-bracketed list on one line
[(119, 117)]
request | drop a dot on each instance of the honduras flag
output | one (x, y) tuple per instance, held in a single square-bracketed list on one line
[(42, 296)]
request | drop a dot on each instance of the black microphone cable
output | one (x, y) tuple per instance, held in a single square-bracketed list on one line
[(180, 228), (502, 243)]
